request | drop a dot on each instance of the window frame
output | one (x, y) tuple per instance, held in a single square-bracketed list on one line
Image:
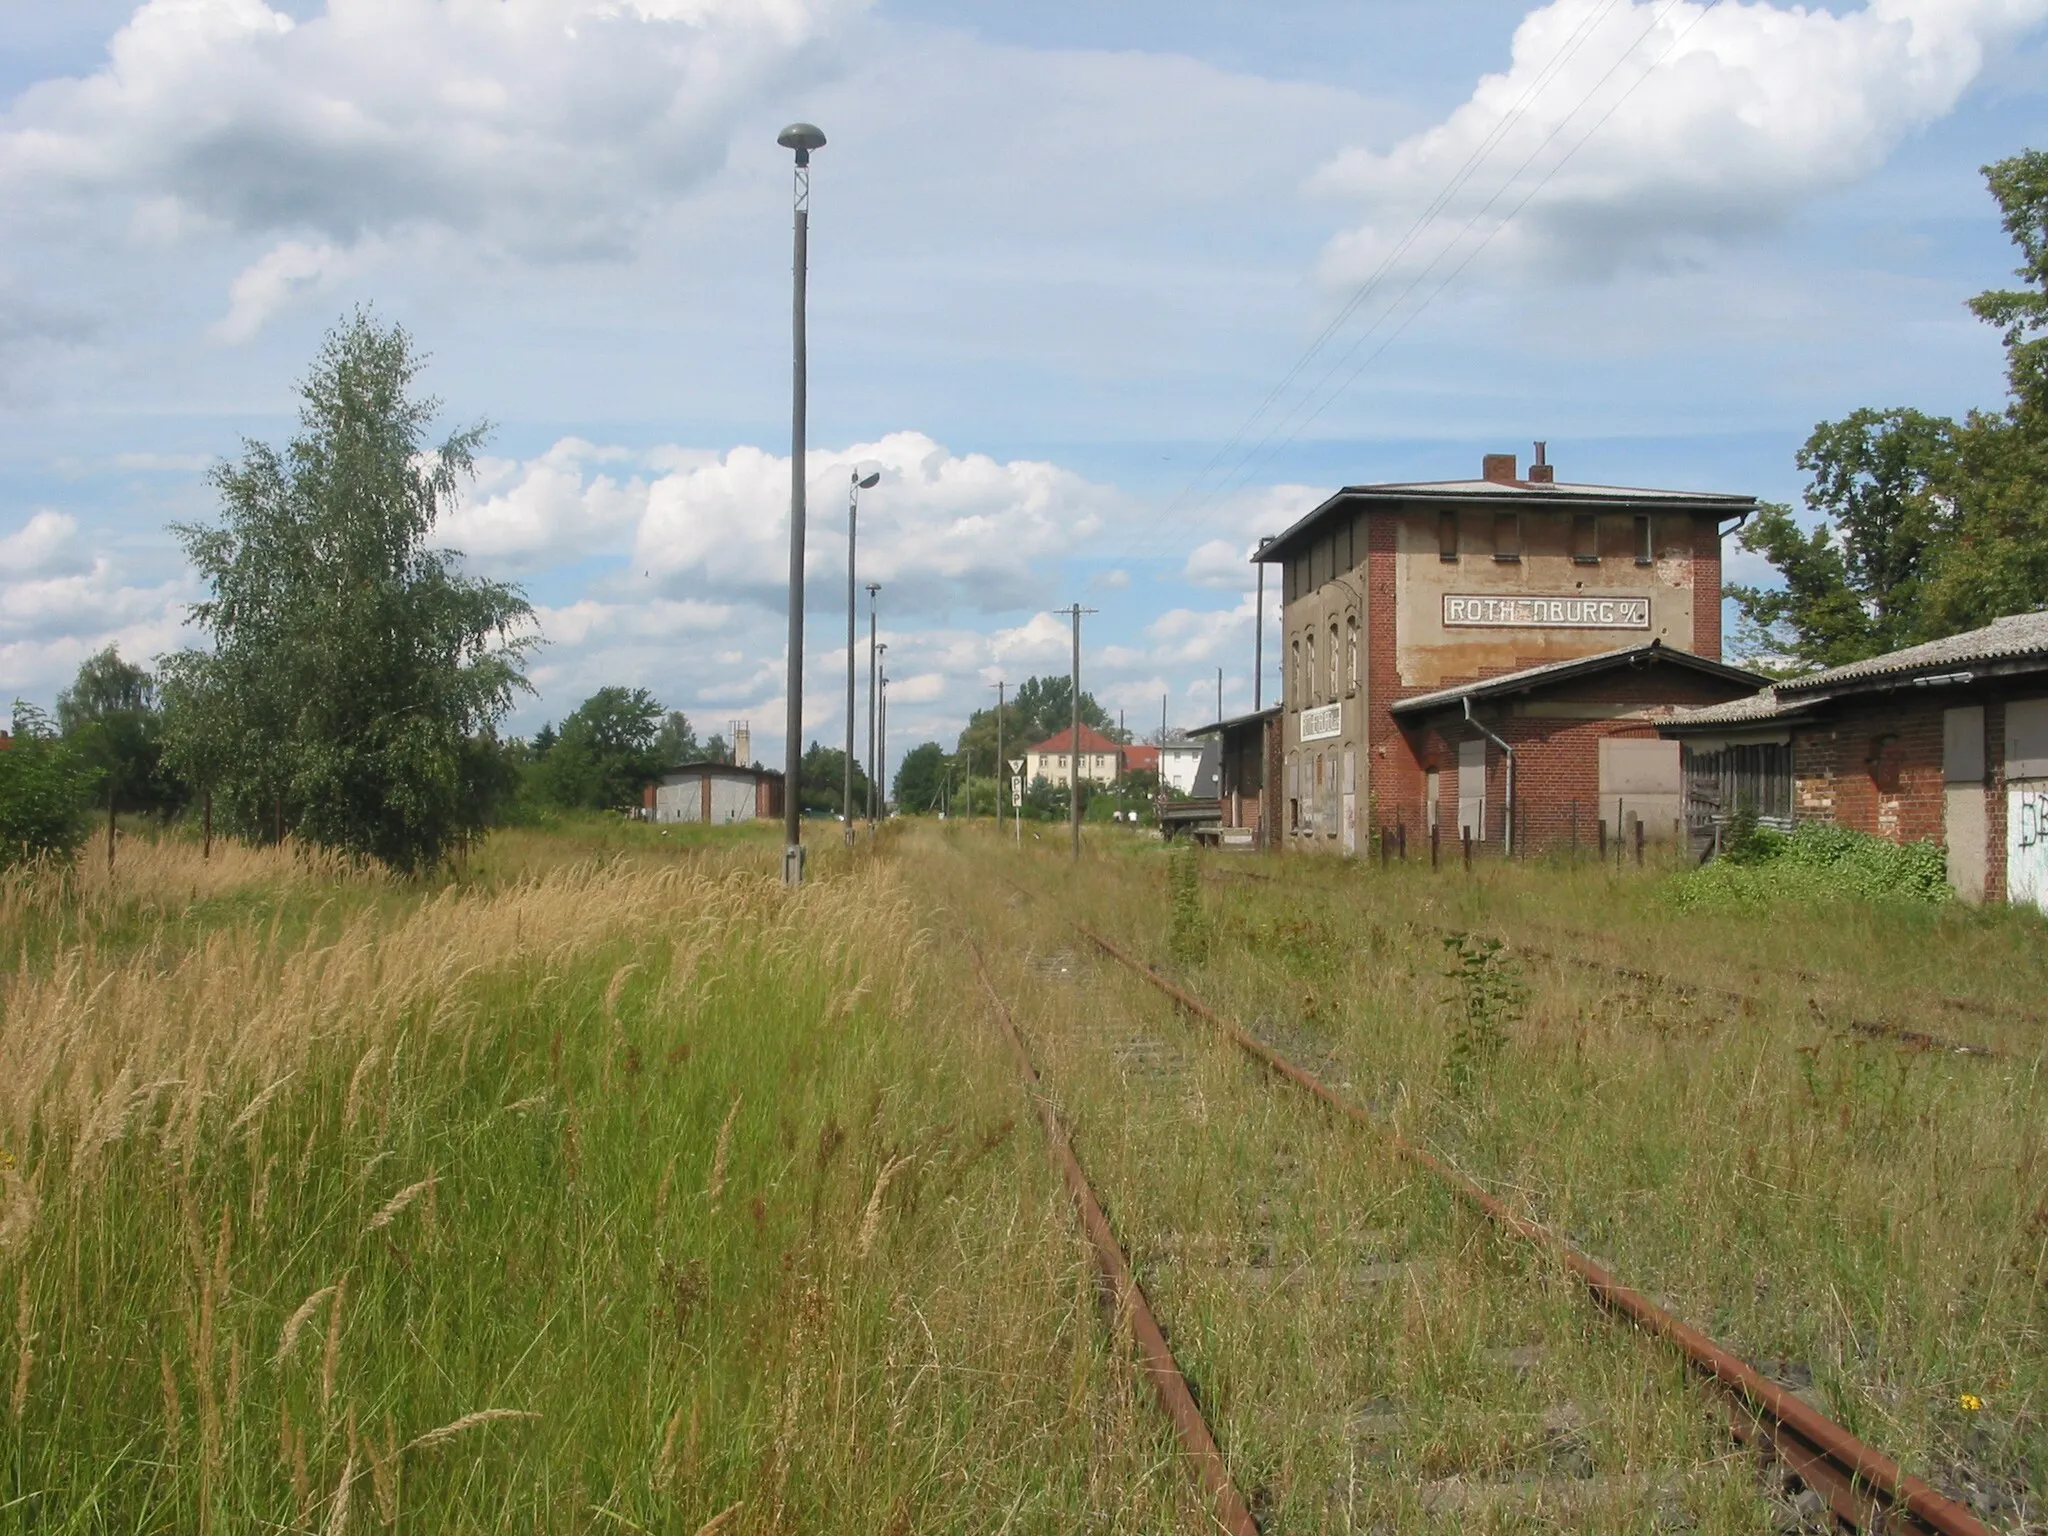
[(1646, 539), (1585, 538), (1512, 523)]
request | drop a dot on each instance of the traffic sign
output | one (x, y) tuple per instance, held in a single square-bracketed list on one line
[(1016, 765), (1017, 789)]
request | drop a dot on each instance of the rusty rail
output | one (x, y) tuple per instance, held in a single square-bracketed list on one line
[(1123, 1299), (1863, 1487)]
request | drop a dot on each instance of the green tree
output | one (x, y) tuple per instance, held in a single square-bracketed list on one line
[(1853, 583), (822, 775), (676, 741), (1927, 527), (111, 716), (1996, 561), (605, 753), (920, 779), (353, 665), (46, 790)]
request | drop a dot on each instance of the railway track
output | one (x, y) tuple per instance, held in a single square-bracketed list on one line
[(1827, 1472), (1876, 1029)]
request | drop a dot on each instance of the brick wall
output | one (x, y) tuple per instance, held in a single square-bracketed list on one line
[(1706, 588), (1876, 768), (1557, 761)]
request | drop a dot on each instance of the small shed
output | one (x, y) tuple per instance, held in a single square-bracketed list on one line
[(715, 794), (1946, 741), (1240, 767)]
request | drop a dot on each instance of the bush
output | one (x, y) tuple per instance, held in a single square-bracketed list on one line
[(1816, 863), (45, 793)]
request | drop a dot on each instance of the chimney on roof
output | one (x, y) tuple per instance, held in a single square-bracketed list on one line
[(1542, 472), (1499, 468)]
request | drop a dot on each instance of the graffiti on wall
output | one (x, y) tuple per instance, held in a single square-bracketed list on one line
[(2026, 843)]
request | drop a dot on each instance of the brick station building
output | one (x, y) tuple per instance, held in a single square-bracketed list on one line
[(1494, 655)]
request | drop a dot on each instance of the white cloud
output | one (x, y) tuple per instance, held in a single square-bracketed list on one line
[(289, 270), (46, 542), (1700, 124), (942, 530), (549, 127)]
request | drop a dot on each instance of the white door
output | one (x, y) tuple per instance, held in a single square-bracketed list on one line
[(1350, 812), (1962, 799), (2026, 802), (1472, 789)]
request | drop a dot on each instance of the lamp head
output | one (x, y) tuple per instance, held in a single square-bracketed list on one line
[(803, 138), (866, 482)]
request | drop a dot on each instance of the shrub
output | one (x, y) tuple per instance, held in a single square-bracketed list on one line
[(1815, 863), (45, 793)]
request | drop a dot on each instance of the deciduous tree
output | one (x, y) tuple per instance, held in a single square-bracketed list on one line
[(353, 665)]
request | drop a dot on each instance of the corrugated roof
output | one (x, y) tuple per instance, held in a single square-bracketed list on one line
[(2020, 636), (1557, 671), (1757, 709)]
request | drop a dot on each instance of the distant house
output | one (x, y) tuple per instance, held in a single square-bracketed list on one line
[(1051, 759), (1946, 741), (1178, 762), (1139, 758), (716, 794)]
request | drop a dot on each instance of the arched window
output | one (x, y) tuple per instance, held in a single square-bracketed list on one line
[(1351, 653), (1335, 689), (1308, 673), (1294, 674)]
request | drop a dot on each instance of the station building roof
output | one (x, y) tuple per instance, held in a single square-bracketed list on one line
[(1550, 673)]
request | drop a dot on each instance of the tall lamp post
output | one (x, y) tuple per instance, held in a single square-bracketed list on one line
[(802, 138), (874, 665), (856, 484), (882, 744)]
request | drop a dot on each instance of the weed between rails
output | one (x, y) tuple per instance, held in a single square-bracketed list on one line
[(622, 1193), (1850, 1211)]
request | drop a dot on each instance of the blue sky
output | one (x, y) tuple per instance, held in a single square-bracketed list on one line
[(1060, 255)]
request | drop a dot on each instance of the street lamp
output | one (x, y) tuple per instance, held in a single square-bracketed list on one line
[(858, 483), (882, 759), (802, 138)]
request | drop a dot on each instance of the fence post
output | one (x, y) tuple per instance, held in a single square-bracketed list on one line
[(1465, 837), (1401, 841), (1575, 832), (1434, 831), (1603, 839), (1386, 852), (1639, 842)]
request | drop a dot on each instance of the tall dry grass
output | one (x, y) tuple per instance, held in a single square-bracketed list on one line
[(636, 1193)]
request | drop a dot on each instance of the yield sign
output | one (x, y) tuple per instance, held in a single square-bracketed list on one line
[(1016, 765)]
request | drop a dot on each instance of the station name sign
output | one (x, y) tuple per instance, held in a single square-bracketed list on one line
[(1321, 723), (1547, 612)]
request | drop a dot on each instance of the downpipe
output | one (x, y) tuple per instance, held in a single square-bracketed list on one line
[(1507, 839)]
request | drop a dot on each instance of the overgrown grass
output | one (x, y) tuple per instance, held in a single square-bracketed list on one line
[(614, 1195), (1814, 864), (1868, 1221)]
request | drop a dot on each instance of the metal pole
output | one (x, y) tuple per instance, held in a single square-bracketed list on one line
[(793, 727), (1074, 744), (852, 527), (1002, 763), (1259, 638), (873, 588), (882, 747)]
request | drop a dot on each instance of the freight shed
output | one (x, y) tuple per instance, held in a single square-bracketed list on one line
[(1946, 741), (1399, 592), (715, 794), (1551, 755), (1241, 768)]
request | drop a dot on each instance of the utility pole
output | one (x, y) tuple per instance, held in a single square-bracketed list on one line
[(803, 138), (882, 761), (1219, 693), (1002, 766), (874, 766), (1074, 743)]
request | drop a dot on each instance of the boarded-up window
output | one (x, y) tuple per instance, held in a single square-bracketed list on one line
[(1586, 539), (1447, 535), (1646, 553), (1507, 536), (1639, 781), (2026, 739)]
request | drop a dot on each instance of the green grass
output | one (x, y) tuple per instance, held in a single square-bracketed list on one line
[(715, 1196)]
